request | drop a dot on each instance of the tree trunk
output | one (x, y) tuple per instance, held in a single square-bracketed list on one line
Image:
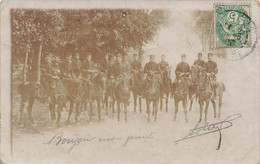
[(39, 63), (25, 66)]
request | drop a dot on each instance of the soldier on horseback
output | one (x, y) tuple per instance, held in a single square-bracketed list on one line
[(136, 64), (182, 71), (76, 66), (66, 67), (164, 65), (152, 66), (89, 67), (212, 69), (199, 62)]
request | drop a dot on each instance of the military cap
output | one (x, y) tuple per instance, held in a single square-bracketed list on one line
[(199, 54), (210, 54), (183, 55)]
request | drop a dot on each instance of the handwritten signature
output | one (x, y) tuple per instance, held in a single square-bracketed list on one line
[(211, 128), (58, 139)]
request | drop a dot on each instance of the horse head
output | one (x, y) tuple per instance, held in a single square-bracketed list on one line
[(154, 83), (100, 80)]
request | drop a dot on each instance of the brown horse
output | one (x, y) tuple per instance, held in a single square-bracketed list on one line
[(96, 92), (122, 94), (29, 92), (68, 90), (152, 94), (194, 82), (205, 92), (166, 88), (137, 81), (109, 99), (180, 91)]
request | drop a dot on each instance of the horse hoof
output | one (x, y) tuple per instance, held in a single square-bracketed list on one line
[(199, 120)]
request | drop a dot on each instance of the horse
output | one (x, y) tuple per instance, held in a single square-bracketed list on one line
[(194, 82), (137, 81), (180, 91), (63, 91), (109, 96), (166, 88), (122, 93), (152, 93), (29, 91), (96, 91), (205, 92)]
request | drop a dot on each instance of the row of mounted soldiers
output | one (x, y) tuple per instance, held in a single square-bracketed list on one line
[(73, 67)]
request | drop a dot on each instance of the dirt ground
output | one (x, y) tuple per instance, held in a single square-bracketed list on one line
[(241, 96)]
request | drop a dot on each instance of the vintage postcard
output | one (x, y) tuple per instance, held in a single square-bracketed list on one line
[(91, 82)]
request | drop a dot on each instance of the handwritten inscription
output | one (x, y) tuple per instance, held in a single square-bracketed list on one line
[(211, 128), (59, 139)]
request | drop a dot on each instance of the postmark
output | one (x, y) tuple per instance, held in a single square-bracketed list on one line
[(232, 25)]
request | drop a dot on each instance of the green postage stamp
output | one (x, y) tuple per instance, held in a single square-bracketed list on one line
[(232, 25)]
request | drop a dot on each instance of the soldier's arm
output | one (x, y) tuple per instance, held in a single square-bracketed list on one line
[(177, 70), (188, 69), (216, 68)]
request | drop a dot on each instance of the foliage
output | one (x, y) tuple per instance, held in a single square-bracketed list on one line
[(96, 31)]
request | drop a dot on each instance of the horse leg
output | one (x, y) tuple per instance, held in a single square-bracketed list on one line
[(29, 109), (106, 104), (118, 110), (60, 105), (155, 109), (148, 109), (176, 109), (135, 101), (113, 106), (201, 109), (161, 102), (91, 110), (77, 111), (99, 109), (166, 102), (184, 103), (214, 106), (70, 111), (125, 108), (21, 108), (140, 104), (219, 106), (191, 102), (206, 110)]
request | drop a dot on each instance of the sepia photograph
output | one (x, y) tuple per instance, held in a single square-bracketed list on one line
[(122, 82)]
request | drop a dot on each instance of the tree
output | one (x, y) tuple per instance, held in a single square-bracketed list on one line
[(96, 30)]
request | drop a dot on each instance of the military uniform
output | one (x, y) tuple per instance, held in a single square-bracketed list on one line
[(66, 69), (211, 67), (199, 62), (76, 67), (163, 65), (135, 65), (182, 67), (87, 66), (117, 69), (152, 66)]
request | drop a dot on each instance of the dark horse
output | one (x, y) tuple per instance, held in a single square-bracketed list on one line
[(122, 93), (137, 81), (194, 83), (180, 91), (29, 92), (152, 94), (109, 98), (205, 92), (96, 91), (166, 88), (60, 92)]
